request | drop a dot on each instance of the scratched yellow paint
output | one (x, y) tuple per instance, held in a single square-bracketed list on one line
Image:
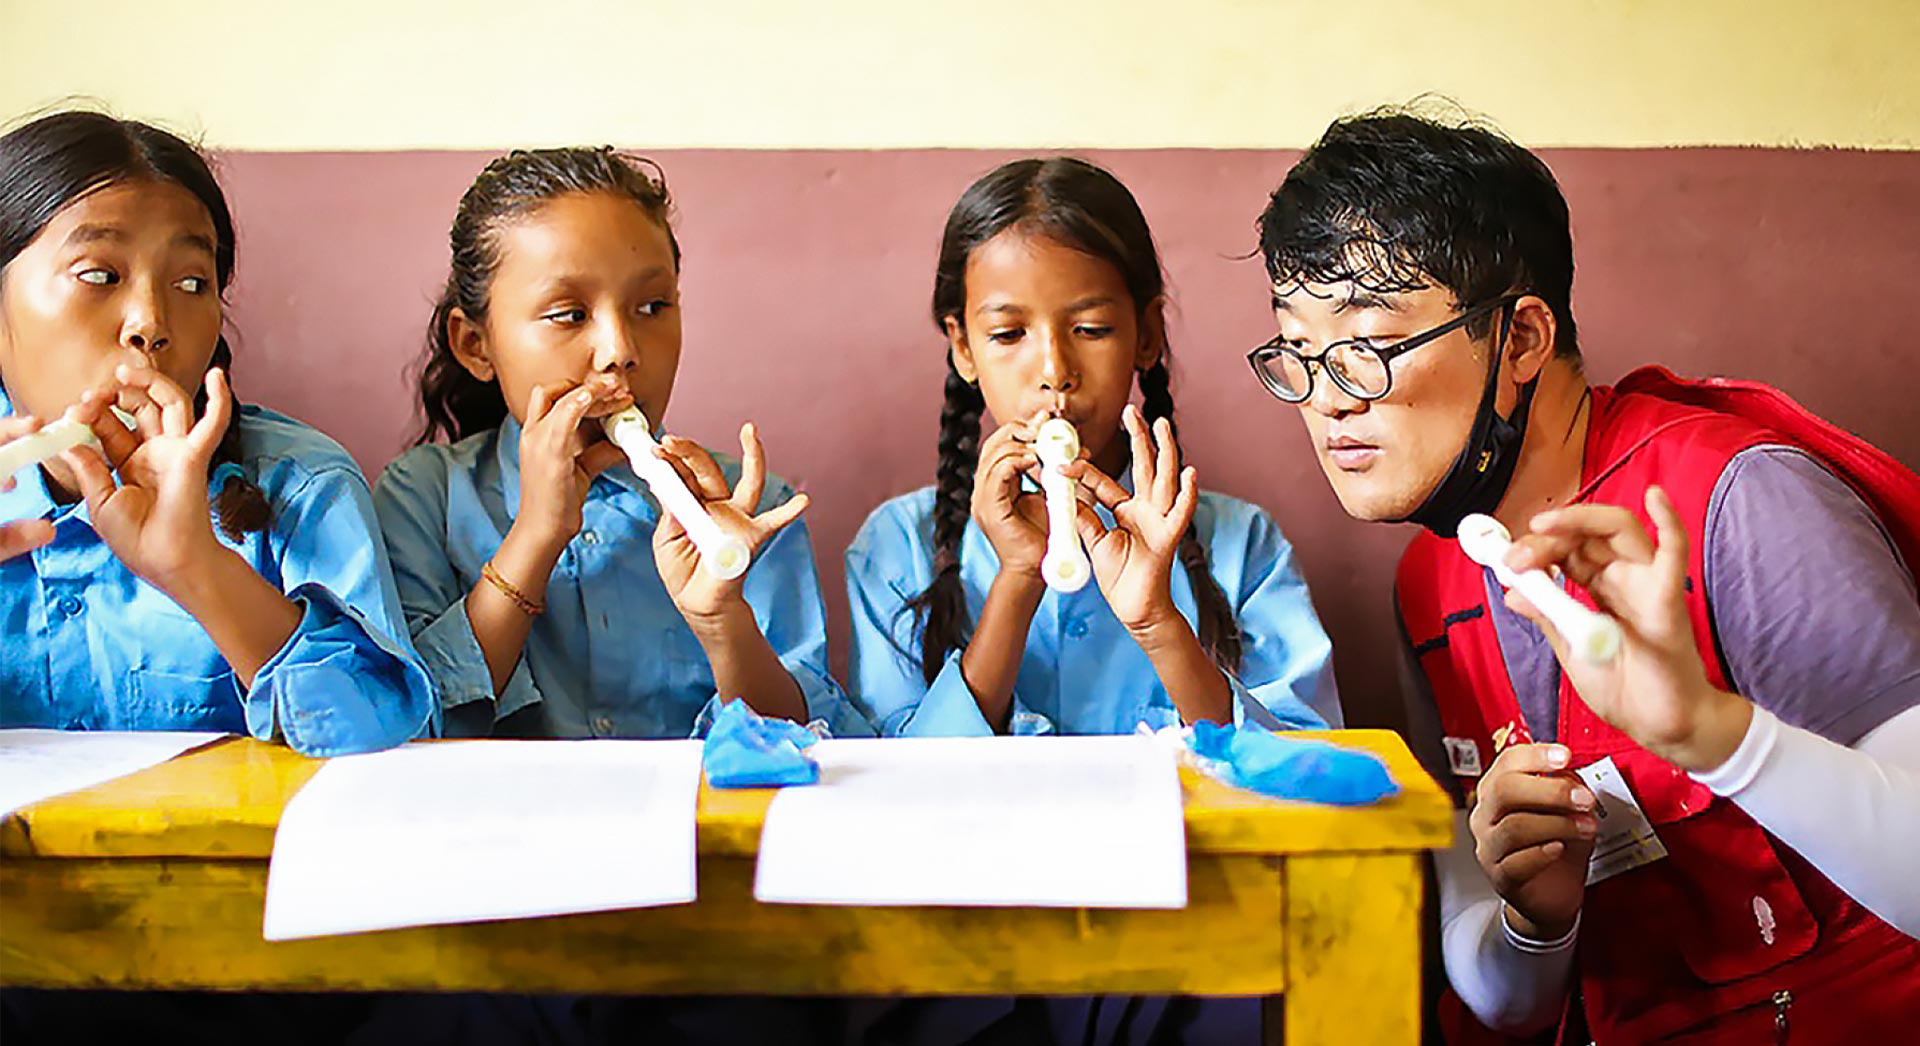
[(1353, 948), (144, 923), (225, 801), (158, 881)]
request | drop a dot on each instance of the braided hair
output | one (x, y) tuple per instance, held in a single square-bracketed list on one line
[(1219, 630), (1082, 206)]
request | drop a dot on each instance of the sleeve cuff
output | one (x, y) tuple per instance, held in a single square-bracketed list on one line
[(339, 686), (1249, 710), (1532, 946), (1733, 776), (949, 708), (459, 668), (829, 712)]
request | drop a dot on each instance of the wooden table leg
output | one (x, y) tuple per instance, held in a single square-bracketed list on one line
[(1353, 950)]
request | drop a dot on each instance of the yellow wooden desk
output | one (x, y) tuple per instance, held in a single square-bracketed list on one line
[(158, 881)]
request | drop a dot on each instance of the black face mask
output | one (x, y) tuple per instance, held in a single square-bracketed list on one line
[(1479, 476)]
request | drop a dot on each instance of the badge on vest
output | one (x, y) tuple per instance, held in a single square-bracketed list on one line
[(1463, 756), (1626, 838), (1514, 733)]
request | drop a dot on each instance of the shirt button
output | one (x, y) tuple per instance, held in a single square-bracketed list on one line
[(589, 538), (603, 726), (68, 606), (1076, 629)]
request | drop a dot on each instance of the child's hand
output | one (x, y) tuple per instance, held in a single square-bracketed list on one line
[(1133, 561), (156, 518), (557, 464), (697, 593), (1013, 519), (25, 535)]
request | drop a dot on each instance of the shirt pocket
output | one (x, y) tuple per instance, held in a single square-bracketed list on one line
[(162, 699), (688, 672), (1722, 896)]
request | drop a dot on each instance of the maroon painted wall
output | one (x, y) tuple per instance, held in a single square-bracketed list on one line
[(807, 277)]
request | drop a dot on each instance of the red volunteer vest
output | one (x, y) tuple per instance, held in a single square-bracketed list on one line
[(1732, 937)]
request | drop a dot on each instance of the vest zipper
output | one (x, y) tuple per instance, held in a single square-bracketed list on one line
[(1782, 1001)]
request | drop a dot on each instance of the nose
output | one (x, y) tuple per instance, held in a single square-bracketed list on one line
[(1328, 398), (1059, 372), (616, 346), (143, 328)]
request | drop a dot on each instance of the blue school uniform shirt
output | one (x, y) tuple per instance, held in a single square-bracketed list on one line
[(611, 657), (1081, 673), (90, 646)]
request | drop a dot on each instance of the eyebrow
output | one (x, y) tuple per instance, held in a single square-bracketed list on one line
[(1004, 307), (570, 280), (85, 234), (1367, 300)]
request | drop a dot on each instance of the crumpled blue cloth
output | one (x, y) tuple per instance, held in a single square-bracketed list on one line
[(744, 750), (1259, 760)]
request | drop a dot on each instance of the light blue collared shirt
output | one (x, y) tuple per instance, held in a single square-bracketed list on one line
[(1082, 673), (611, 657), (90, 646)]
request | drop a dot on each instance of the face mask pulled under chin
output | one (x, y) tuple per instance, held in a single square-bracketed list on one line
[(1479, 477)]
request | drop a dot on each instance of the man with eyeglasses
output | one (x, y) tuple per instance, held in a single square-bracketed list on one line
[(1715, 835)]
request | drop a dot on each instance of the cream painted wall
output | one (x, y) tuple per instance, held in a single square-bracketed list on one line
[(392, 74)]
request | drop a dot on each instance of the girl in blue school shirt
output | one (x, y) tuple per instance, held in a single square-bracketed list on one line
[(543, 586), (1050, 294), (209, 567), (1052, 300)]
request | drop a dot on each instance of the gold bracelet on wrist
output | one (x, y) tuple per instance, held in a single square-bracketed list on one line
[(527, 606)]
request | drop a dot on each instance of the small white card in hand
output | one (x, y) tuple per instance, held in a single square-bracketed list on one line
[(40, 764), (470, 831), (1094, 822), (1626, 838)]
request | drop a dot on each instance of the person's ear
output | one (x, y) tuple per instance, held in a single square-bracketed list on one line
[(1153, 335), (960, 352), (468, 340), (1530, 338)]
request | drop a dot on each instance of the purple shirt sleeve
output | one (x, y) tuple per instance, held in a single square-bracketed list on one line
[(1815, 613)]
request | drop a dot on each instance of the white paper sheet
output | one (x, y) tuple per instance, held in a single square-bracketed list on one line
[(40, 764), (1091, 822), (471, 831)]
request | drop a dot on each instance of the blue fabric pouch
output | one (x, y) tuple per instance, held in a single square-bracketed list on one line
[(1261, 761), (744, 750)]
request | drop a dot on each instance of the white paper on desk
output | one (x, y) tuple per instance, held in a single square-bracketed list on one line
[(40, 764), (469, 831), (1074, 822)]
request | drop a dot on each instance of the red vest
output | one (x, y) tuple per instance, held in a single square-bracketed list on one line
[(1733, 935)]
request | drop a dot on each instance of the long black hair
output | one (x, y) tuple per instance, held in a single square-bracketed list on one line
[(49, 163), (456, 403), (1084, 207)]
